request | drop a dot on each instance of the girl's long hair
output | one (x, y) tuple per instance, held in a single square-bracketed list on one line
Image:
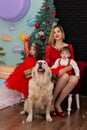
[(39, 54)]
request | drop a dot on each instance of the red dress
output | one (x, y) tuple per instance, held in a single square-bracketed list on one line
[(17, 79), (51, 54)]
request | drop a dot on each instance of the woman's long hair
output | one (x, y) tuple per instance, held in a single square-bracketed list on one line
[(51, 40)]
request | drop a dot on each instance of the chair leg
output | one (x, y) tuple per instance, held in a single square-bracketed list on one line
[(77, 101), (69, 104)]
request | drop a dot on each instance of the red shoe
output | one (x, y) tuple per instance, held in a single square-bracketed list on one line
[(62, 114), (53, 113)]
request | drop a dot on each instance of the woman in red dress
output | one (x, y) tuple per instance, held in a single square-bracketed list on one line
[(17, 80), (65, 82)]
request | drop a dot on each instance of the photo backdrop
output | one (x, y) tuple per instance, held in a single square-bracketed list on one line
[(16, 20)]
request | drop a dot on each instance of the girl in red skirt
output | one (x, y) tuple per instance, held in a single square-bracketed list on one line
[(17, 80)]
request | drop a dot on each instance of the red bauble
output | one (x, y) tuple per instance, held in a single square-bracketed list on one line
[(43, 38), (54, 13), (48, 21), (47, 7), (37, 25)]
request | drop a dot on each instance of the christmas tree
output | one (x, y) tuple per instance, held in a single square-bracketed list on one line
[(45, 20)]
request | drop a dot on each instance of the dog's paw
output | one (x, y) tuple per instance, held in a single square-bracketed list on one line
[(29, 118), (48, 118), (22, 112)]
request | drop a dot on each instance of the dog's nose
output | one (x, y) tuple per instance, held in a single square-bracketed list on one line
[(40, 64)]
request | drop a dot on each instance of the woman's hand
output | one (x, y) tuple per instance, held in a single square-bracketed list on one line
[(78, 77)]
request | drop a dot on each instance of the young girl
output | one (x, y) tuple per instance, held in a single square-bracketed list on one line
[(17, 80)]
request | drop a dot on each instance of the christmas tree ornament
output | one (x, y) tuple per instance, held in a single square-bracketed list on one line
[(54, 24), (36, 35), (54, 13), (37, 25), (43, 38), (43, 22), (48, 21), (41, 33), (47, 7)]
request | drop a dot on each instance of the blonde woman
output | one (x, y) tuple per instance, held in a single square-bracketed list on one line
[(65, 82)]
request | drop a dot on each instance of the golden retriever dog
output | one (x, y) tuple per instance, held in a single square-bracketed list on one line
[(40, 92)]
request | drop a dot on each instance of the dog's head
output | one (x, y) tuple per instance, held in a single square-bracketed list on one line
[(41, 68)]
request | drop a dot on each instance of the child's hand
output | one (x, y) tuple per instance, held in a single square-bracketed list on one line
[(26, 46), (28, 73), (61, 72)]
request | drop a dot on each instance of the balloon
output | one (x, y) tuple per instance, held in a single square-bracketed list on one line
[(6, 37), (13, 10), (12, 27), (17, 48), (31, 20), (22, 36)]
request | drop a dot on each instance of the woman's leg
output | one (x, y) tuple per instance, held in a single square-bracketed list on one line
[(62, 81), (73, 80)]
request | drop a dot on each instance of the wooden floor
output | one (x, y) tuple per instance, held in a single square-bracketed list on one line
[(10, 119)]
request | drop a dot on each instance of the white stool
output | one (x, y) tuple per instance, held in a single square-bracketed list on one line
[(70, 102)]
